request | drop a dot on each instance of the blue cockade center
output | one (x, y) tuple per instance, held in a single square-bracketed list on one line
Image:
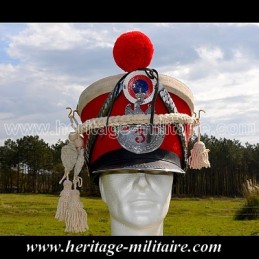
[(140, 85)]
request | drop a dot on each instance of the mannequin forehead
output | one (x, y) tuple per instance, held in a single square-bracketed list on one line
[(130, 187), (114, 178), (157, 172)]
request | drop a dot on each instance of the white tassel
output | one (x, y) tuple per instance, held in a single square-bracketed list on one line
[(68, 158), (76, 216), (70, 209), (63, 200), (199, 155)]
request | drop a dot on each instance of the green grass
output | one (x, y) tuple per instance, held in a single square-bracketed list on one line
[(33, 215), (210, 217), (251, 209)]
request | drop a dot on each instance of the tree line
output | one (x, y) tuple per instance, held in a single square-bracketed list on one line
[(30, 165), (231, 165)]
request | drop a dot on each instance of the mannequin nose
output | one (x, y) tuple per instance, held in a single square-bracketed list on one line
[(141, 181)]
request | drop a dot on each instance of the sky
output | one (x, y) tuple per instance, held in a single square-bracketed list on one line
[(44, 67)]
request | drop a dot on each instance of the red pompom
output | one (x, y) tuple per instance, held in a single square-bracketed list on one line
[(133, 50)]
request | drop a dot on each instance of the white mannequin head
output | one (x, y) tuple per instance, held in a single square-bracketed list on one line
[(137, 202)]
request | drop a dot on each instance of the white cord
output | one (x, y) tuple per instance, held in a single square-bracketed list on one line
[(168, 118)]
